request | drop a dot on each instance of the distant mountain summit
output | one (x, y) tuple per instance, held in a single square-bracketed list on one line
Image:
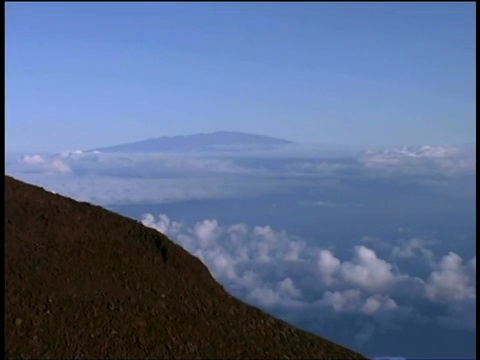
[(199, 142)]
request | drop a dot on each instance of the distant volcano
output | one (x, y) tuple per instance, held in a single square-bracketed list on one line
[(199, 142)]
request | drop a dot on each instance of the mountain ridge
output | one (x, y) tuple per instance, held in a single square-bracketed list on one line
[(195, 142)]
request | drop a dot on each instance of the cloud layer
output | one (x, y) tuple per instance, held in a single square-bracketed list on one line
[(238, 174), (283, 274)]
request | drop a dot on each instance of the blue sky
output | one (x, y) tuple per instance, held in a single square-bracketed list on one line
[(82, 75)]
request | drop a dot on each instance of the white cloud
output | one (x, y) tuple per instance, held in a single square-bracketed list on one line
[(344, 301), (287, 288), (378, 302), (207, 232), (327, 265), (415, 248), (144, 178), (59, 166), (32, 159), (42, 164), (430, 162), (367, 271), (135, 165), (422, 151), (450, 282), (427, 164), (264, 296)]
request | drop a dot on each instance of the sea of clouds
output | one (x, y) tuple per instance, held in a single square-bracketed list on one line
[(376, 286), (113, 178)]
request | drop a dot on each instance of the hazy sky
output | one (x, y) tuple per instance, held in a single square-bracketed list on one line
[(82, 75)]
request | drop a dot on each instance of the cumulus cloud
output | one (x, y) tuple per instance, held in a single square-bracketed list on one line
[(450, 281), (344, 301), (367, 271), (59, 166), (374, 303), (353, 301), (32, 159), (276, 270), (41, 164), (453, 283), (327, 265), (415, 249)]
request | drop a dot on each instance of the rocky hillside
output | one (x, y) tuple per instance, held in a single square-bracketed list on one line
[(85, 283)]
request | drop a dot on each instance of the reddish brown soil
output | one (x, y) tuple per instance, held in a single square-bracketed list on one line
[(83, 282)]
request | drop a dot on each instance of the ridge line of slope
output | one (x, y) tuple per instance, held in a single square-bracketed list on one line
[(61, 253)]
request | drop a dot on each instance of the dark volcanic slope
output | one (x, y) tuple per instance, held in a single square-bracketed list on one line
[(83, 282)]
